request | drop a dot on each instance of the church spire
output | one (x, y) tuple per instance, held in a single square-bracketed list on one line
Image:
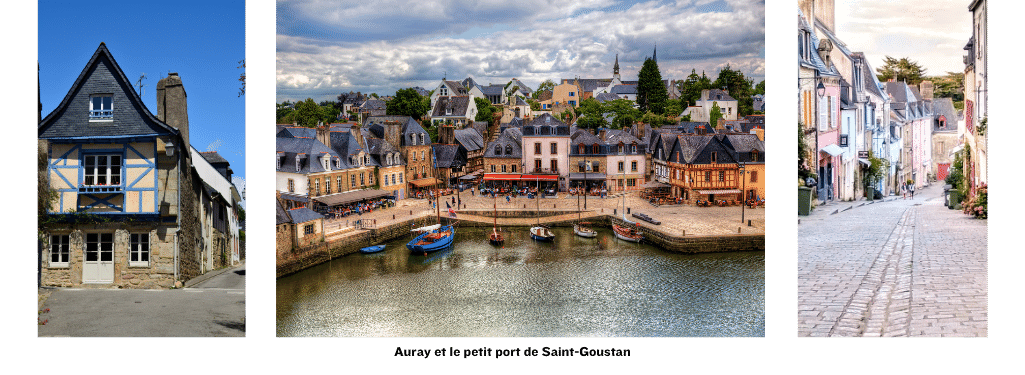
[(654, 52), (615, 68)]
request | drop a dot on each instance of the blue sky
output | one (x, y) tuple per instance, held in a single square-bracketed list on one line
[(201, 40), (328, 47)]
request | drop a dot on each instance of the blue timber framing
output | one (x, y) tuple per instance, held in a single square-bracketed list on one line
[(105, 195)]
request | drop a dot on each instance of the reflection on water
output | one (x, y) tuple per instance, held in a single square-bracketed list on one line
[(572, 287)]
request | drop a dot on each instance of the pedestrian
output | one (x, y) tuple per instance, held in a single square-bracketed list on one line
[(911, 187), (904, 190)]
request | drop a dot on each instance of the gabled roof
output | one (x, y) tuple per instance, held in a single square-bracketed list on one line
[(718, 95), (816, 60), (458, 105), (469, 138), (545, 125), (744, 144), (689, 147), (213, 157), (372, 104), (307, 151), (624, 89), (511, 137), (582, 136), (297, 132), (449, 156), (495, 90), (303, 215), (102, 74), (523, 88), (606, 96)]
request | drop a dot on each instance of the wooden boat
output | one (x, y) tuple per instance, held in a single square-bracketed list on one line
[(434, 240), (372, 249), (434, 237), (496, 237), (541, 233), (584, 231), (628, 231)]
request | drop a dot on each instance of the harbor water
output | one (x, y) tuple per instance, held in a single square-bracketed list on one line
[(601, 287)]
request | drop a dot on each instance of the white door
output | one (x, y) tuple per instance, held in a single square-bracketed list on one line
[(99, 258)]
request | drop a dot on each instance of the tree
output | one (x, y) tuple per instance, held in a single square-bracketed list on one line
[(739, 88), (690, 89), (624, 112), (653, 119), (901, 70), (546, 85), (591, 114), (284, 112), (408, 103), (950, 86), (674, 107), (308, 113), (759, 88), (715, 115), (534, 104), (485, 110), (651, 92)]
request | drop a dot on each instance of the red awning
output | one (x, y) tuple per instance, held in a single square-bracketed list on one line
[(534, 177), (501, 177)]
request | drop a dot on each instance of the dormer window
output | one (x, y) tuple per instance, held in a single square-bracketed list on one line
[(280, 159), (448, 111), (412, 139), (326, 163), (620, 148), (754, 155), (388, 159), (633, 149), (338, 163), (498, 150), (508, 149), (298, 166), (101, 107), (422, 139)]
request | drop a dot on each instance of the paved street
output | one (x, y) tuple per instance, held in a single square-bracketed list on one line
[(215, 306), (693, 220), (896, 268)]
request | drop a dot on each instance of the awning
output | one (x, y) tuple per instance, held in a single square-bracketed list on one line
[(470, 176), (589, 176), (295, 197), (536, 177), (501, 177), (956, 149), (351, 196), (865, 162), (832, 150), (727, 191), (430, 181)]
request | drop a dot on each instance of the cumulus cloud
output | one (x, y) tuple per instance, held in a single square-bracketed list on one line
[(529, 40)]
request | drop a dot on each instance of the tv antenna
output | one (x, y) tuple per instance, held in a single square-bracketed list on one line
[(140, 84)]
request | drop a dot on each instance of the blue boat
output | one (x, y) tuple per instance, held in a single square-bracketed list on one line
[(372, 249), (432, 240), (540, 233)]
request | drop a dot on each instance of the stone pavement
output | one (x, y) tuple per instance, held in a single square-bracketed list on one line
[(675, 219), (894, 268)]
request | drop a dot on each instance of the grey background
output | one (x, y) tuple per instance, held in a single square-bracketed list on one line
[(261, 352)]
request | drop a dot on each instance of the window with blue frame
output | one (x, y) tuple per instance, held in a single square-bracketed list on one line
[(101, 170), (101, 107)]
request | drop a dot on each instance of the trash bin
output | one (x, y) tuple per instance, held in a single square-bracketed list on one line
[(803, 201), (870, 193)]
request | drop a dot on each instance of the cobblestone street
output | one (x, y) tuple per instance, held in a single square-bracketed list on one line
[(894, 268)]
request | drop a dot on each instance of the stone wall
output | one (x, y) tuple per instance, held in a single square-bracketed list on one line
[(294, 261), (529, 212), (157, 273)]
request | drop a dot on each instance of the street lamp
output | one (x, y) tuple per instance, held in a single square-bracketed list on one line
[(820, 89)]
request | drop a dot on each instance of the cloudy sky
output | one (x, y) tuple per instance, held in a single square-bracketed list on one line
[(933, 33), (328, 47)]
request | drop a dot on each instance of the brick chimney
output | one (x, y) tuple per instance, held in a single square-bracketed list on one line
[(358, 134), (172, 106), (446, 135), (926, 89)]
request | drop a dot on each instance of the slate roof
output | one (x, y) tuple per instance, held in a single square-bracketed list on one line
[(691, 127), (309, 151), (616, 136), (213, 157), (492, 90), (512, 137), (281, 213), (346, 145), (458, 104), (583, 136), (816, 61), (606, 96), (303, 215), (719, 95), (455, 88), (375, 125), (624, 89), (374, 104), (523, 88), (469, 138), (297, 132), (945, 107), (689, 147), (449, 156), (469, 83), (545, 125), (744, 144), (379, 148), (102, 74)]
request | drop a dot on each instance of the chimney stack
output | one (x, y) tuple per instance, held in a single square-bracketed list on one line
[(172, 106)]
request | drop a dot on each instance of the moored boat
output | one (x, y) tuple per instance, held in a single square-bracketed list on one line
[(431, 241), (584, 231), (627, 233), (372, 249), (541, 233), (496, 238)]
